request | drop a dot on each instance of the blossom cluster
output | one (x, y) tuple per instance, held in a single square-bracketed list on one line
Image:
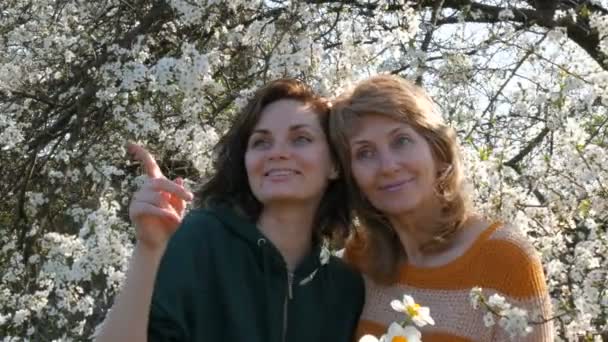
[(514, 320)]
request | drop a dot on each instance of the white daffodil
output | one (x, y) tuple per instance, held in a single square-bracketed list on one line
[(396, 333), (370, 338), (420, 315)]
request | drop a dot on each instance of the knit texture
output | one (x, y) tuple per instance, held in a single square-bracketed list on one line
[(501, 261)]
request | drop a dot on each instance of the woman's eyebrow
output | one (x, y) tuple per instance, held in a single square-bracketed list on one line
[(299, 126), (364, 141), (359, 142), (396, 130), (260, 131), (291, 128)]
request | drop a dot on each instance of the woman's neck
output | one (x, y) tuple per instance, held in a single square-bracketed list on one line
[(289, 228), (411, 230)]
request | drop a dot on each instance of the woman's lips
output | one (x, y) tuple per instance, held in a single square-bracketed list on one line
[(280, 172), (391, 187), (280, 175)]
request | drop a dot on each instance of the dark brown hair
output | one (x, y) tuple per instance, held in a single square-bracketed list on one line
[(374, 247), (229, 183)]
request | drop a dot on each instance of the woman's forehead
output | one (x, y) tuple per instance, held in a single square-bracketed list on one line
[(287, 113), (373, 124)]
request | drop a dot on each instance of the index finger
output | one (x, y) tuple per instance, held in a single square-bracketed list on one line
[(147, 160)]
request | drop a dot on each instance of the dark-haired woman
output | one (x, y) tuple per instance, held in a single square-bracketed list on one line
[(247, 264)]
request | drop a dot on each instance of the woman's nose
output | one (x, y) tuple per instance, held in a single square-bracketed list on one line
[(388, 163), (279, 150)]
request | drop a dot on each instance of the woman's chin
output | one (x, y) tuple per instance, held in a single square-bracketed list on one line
[(396, 208), (282, 198)]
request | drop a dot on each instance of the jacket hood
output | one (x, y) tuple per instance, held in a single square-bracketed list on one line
[(245, 229)]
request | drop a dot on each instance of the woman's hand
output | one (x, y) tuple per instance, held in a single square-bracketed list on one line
[(157, 208)]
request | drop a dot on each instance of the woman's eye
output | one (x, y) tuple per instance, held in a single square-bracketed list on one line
[(364, 154), (259, 143), (301, 140), (402, 140)]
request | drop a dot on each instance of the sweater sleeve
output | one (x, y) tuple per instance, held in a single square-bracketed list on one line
[(163, 327), (523, 286)]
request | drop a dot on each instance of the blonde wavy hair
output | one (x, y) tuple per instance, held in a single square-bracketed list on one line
[(374, 247)]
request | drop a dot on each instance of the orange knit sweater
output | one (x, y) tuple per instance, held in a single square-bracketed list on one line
[(501, 261)]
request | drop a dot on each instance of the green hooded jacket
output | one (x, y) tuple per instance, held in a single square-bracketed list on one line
[(220, 279)]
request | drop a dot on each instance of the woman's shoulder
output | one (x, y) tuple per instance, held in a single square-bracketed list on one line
[(199, 221), (200, 225), (341, 267), (512, 261), (510, 237), (347, 287), (344, 273), (492, 236)]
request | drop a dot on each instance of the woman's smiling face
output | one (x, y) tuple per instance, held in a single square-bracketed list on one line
[(392, 164), (288, 157)]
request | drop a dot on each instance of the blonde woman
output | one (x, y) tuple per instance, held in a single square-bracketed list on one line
[(418, 235)]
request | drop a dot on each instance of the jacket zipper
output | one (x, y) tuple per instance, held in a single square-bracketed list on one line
[(288, 297)]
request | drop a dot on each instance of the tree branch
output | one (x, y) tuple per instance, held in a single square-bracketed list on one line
[(578, 30), (429, 34), (514, 162), (157, 16)]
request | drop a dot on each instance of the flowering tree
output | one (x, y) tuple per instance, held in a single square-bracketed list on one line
[(525, 83)]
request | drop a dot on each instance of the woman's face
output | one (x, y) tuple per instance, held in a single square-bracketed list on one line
[(392, 164), (288, 157)]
